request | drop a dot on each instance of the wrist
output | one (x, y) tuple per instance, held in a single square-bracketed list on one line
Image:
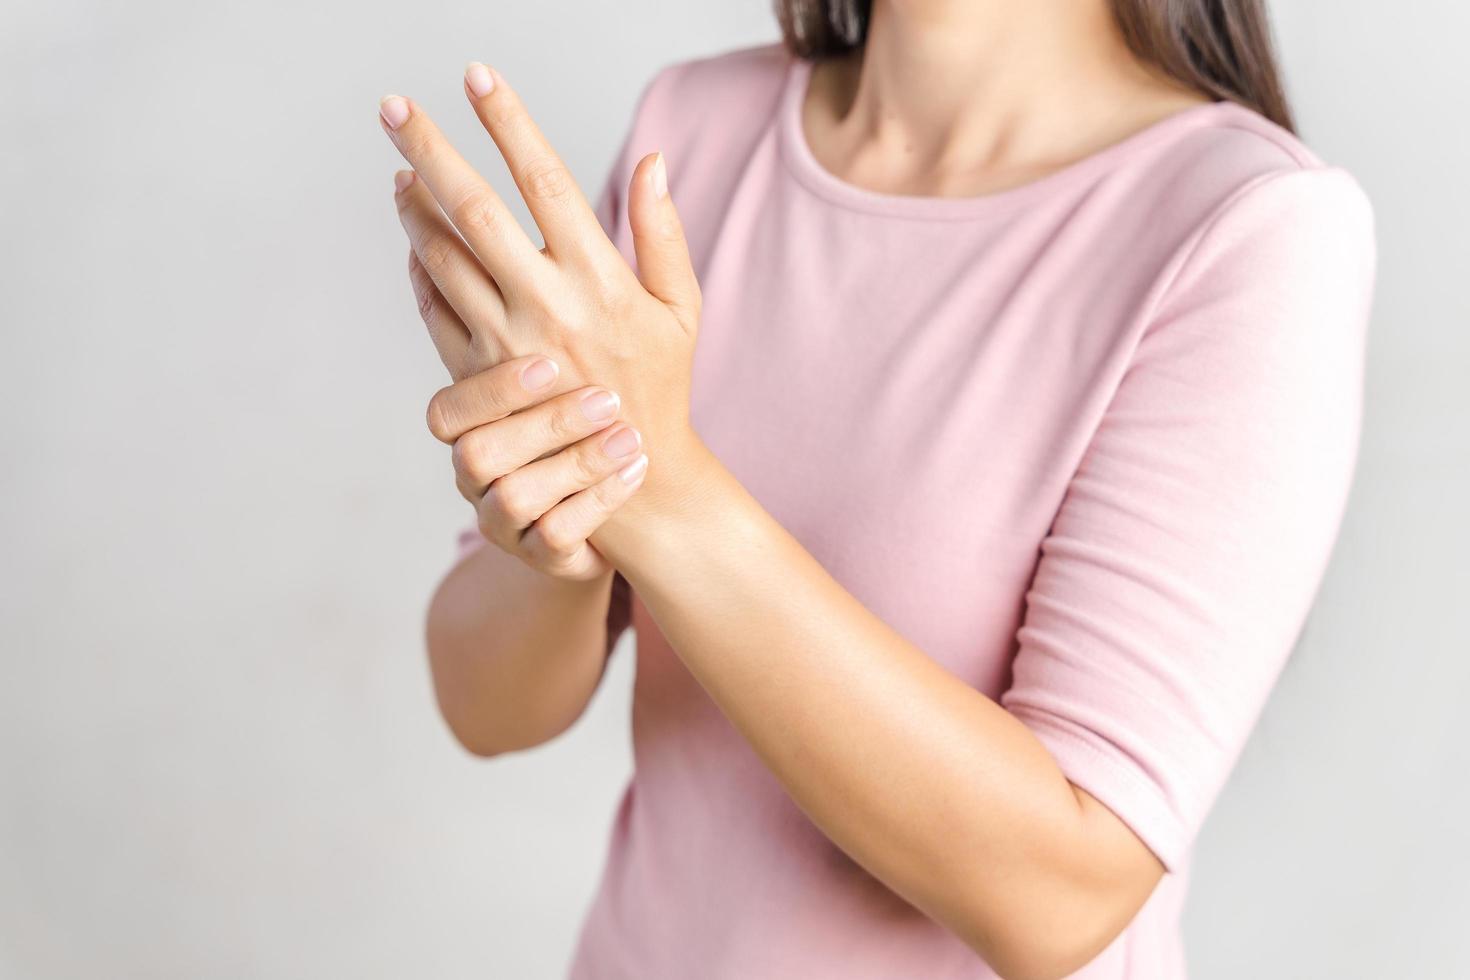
[(680, 486)]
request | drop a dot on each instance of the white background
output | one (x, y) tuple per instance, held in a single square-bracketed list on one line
[(222, 514)]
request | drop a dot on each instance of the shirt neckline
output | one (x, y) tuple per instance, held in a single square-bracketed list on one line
[(819, 180)]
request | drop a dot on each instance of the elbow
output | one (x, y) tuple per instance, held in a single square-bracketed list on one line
[(1050, 963), (1051, 936), (465, 719), (474, 742), (489, 729), (1062, 911), (481, 717), (485, 740), (487, 722), (490, 700), (468, 727), (1041, 957)]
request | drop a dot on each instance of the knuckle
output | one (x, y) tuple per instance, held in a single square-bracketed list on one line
[(471, 456), (546, 181), (420, 146), (495, 392), (434, 255), (508, 498), (556, 538), (477, 212), (489, 525), (502, 109), (462, 455), (589, 465), (566, 423), (608, 495), (440, 416)]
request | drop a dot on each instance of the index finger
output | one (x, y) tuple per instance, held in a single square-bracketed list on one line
[(490, 396), (568, 224), (471, 205)]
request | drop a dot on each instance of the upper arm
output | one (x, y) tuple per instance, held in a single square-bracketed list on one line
[(1195, 533)]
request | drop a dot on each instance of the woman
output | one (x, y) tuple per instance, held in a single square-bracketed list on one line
[(965, 546)]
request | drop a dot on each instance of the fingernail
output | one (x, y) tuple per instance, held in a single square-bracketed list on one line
[(402, 179), (621, 443), (394, 110), (479, 80), (600, 405), (633, 472), (660, 178), (538, 374)]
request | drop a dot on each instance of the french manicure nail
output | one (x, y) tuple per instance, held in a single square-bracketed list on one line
[(633, 472), (538, 374), (481, 83), (402, 179), (600, 405), (394, 110), (623, 442), (660, 178)]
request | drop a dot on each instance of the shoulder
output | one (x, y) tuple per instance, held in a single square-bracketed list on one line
[(714, 102), (706, 115), (1236, 161), (737, 82), (1235, 189)]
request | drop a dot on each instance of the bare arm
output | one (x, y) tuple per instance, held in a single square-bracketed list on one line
[(938, 790), (516, 654), (863, 730), (861, 727), (518, 633), (927, 783)]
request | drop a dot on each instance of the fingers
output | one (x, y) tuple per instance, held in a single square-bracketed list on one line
[(664, 265), (457, 274), (490, 396), (487, 225), (568, 224), (450, 336), (515, 501), (486, 453), (558, 540)]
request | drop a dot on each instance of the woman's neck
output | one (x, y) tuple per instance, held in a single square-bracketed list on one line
[(962, 97)]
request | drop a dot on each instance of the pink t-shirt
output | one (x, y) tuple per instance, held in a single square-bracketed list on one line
[(1086, 443)]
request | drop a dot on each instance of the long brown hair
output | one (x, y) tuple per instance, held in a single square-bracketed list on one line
[(1222, 48)]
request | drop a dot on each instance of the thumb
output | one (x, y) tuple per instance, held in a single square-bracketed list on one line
[(664, 266)]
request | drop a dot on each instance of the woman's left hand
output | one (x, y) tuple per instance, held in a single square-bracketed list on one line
[(576, 300)]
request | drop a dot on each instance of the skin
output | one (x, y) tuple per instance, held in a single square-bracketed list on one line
[(929, 785)]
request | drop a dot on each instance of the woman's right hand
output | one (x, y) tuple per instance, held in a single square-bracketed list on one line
[(543, 471)]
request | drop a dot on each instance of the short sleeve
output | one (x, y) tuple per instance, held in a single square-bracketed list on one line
[(1194, 535)]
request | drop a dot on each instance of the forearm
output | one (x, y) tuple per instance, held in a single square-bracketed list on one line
[(516, 654), (930, 785)]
